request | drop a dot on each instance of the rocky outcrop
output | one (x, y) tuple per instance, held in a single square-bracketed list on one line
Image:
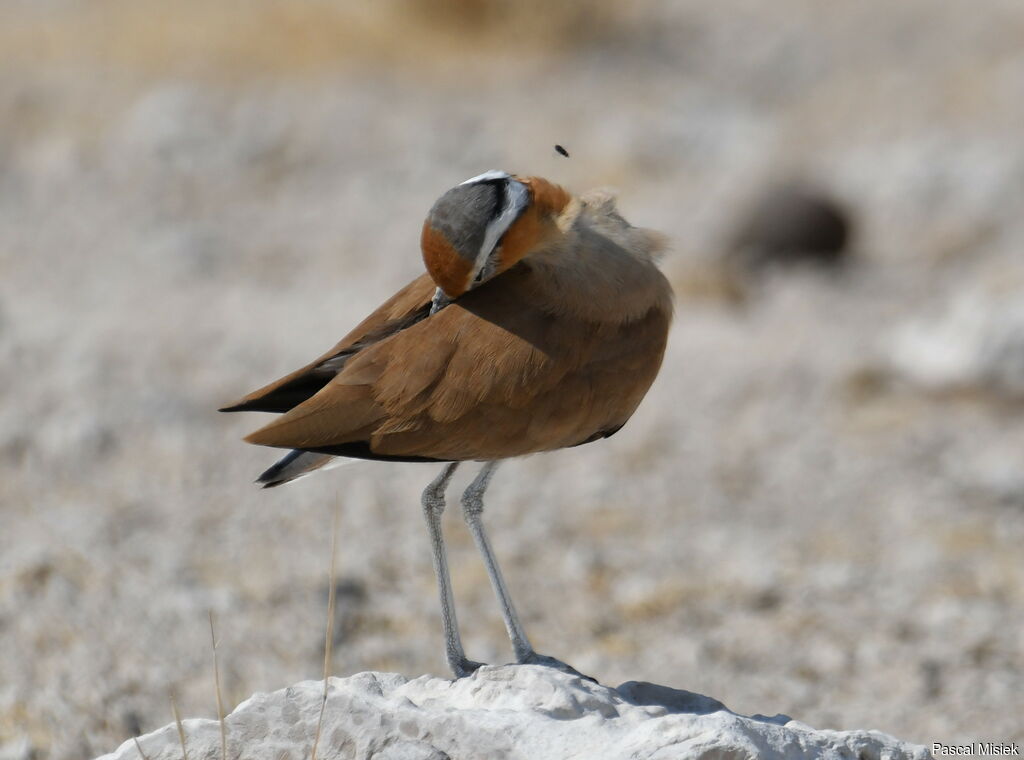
[(511, 711)]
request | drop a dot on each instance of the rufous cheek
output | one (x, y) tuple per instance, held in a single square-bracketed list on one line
[(521, 238), (449, 271), (547, 200)]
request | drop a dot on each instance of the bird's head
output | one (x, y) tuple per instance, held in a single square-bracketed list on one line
[(480, 228)]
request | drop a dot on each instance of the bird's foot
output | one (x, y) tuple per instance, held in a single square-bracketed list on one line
[(463, 667), (532, 658)]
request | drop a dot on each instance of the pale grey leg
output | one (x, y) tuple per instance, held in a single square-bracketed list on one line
[(433, 508), (472, 511)]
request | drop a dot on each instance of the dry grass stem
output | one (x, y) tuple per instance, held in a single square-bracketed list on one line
[(139, 748), (329, 637), (181, 728), (216, 684)]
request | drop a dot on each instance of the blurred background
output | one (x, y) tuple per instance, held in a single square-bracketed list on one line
[(818, 510)]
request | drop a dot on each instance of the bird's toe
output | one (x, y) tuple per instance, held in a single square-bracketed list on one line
[(463, 667)]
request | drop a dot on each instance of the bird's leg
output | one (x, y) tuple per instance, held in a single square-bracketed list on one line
[(472, 511), (433, 508)]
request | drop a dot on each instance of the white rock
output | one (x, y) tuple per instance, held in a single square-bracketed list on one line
[(511, 711), (976, 344)]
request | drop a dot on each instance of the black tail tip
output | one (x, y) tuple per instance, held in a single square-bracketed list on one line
[(279, 473), (272, 477)]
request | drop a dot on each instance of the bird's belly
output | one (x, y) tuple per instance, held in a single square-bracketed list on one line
[(582, 408)]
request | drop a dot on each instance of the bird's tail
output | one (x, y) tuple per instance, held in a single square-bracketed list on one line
[(296, 464)]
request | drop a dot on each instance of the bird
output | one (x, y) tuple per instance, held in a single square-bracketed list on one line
[(540, 324)]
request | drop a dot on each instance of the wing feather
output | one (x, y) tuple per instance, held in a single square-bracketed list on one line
[(490, 376), (406, 307)]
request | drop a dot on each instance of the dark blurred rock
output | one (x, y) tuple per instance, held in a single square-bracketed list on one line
[(350, 596), (931, 679), (131, 721), (791, 223)]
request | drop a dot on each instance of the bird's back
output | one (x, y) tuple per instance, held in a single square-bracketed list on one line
[(555, 352)]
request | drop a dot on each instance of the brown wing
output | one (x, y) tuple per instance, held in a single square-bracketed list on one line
[(488, 377), (406, 307)]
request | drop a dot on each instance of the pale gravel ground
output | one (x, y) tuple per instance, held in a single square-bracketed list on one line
[(782, 526)]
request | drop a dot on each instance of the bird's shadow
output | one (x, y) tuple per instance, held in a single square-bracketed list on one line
[(646, 694)]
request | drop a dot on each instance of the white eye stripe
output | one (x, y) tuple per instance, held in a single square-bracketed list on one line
[(487, 176), (517, 197)]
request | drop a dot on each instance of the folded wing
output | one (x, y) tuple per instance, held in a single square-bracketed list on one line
[(408, 306), (490, 376)]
